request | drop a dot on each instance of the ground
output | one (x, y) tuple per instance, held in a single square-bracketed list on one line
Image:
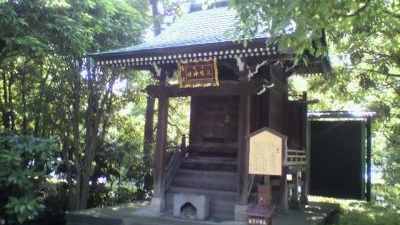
[(139, 213)]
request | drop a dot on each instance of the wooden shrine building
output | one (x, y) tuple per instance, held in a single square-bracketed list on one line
[(235, 90)]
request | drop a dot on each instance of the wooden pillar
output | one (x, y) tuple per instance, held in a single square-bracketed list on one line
[(294, 199), (284, 189), (303, 124), (158, 201), (267, 191), (304, 193), (194, 111), (148, 143), (242, 163), (304, 146)]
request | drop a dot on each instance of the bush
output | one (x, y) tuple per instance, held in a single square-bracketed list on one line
[(104, 195), (384, 209), (26, 162)]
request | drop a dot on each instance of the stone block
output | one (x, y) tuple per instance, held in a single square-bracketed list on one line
[(196, 207)]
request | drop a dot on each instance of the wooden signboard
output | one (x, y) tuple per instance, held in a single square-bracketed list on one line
[(265, 155), (203, 73)]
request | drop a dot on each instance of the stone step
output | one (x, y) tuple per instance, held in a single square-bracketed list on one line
[(211, 176), (215, 180), (204, 163), (206, 174), (214, 149), (214, 194)]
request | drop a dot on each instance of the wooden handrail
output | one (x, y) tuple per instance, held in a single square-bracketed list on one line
[(174, 163), (172, 168), (295, 157), (250, 182)]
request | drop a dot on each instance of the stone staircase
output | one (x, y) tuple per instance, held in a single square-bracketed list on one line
[(211, 176)]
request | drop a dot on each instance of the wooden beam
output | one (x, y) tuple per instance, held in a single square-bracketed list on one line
[(148, 143), (161, 141), (305, 147), (244, 130), (226, 88)]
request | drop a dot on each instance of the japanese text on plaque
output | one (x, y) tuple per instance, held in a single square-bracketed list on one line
[(265, 156)]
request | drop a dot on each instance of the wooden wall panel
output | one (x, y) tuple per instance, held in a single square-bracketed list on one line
[(214, 121)]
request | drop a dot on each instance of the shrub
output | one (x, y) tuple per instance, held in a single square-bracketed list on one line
[(26, 162), (385, 211)]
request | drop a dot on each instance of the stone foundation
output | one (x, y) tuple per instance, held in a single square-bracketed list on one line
[(195, 207), (240, 212), (157, 204)]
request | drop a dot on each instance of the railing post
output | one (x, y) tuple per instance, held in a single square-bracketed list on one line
[(183, 148), (171, 168)]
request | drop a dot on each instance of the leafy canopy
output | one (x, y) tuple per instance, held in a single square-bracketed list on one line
[(308, 20), (42, 48), (363, 38)]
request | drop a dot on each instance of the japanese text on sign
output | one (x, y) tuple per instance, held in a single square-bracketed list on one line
[(265, 156), (198, 74)]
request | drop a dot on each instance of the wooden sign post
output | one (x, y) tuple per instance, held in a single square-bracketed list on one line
[(265, 156)]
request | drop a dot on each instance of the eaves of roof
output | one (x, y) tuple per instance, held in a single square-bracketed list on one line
[(199, 35), (194, 31)]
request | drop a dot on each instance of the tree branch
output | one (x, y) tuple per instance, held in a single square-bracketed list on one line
[(177, 128), (380, 73), (397, 16), (357, 12)]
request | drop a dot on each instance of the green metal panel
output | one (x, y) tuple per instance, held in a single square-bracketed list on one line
[(337, 158)]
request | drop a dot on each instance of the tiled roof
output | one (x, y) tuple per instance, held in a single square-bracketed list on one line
[(210, 26), (201, 27), (198, 35)]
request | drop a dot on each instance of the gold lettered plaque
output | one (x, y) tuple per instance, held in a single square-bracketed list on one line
[(200, 73), (265, 155)]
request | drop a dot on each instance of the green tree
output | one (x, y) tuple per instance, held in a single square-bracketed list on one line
[(363, 36), (46, 89)]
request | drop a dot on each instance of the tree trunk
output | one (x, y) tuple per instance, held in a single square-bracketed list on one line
[(156, 17), (99, 105), (84, 189), (91, 127), (6, 118), (148, 143), (10, 104), (40, 105), (24, 105)]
